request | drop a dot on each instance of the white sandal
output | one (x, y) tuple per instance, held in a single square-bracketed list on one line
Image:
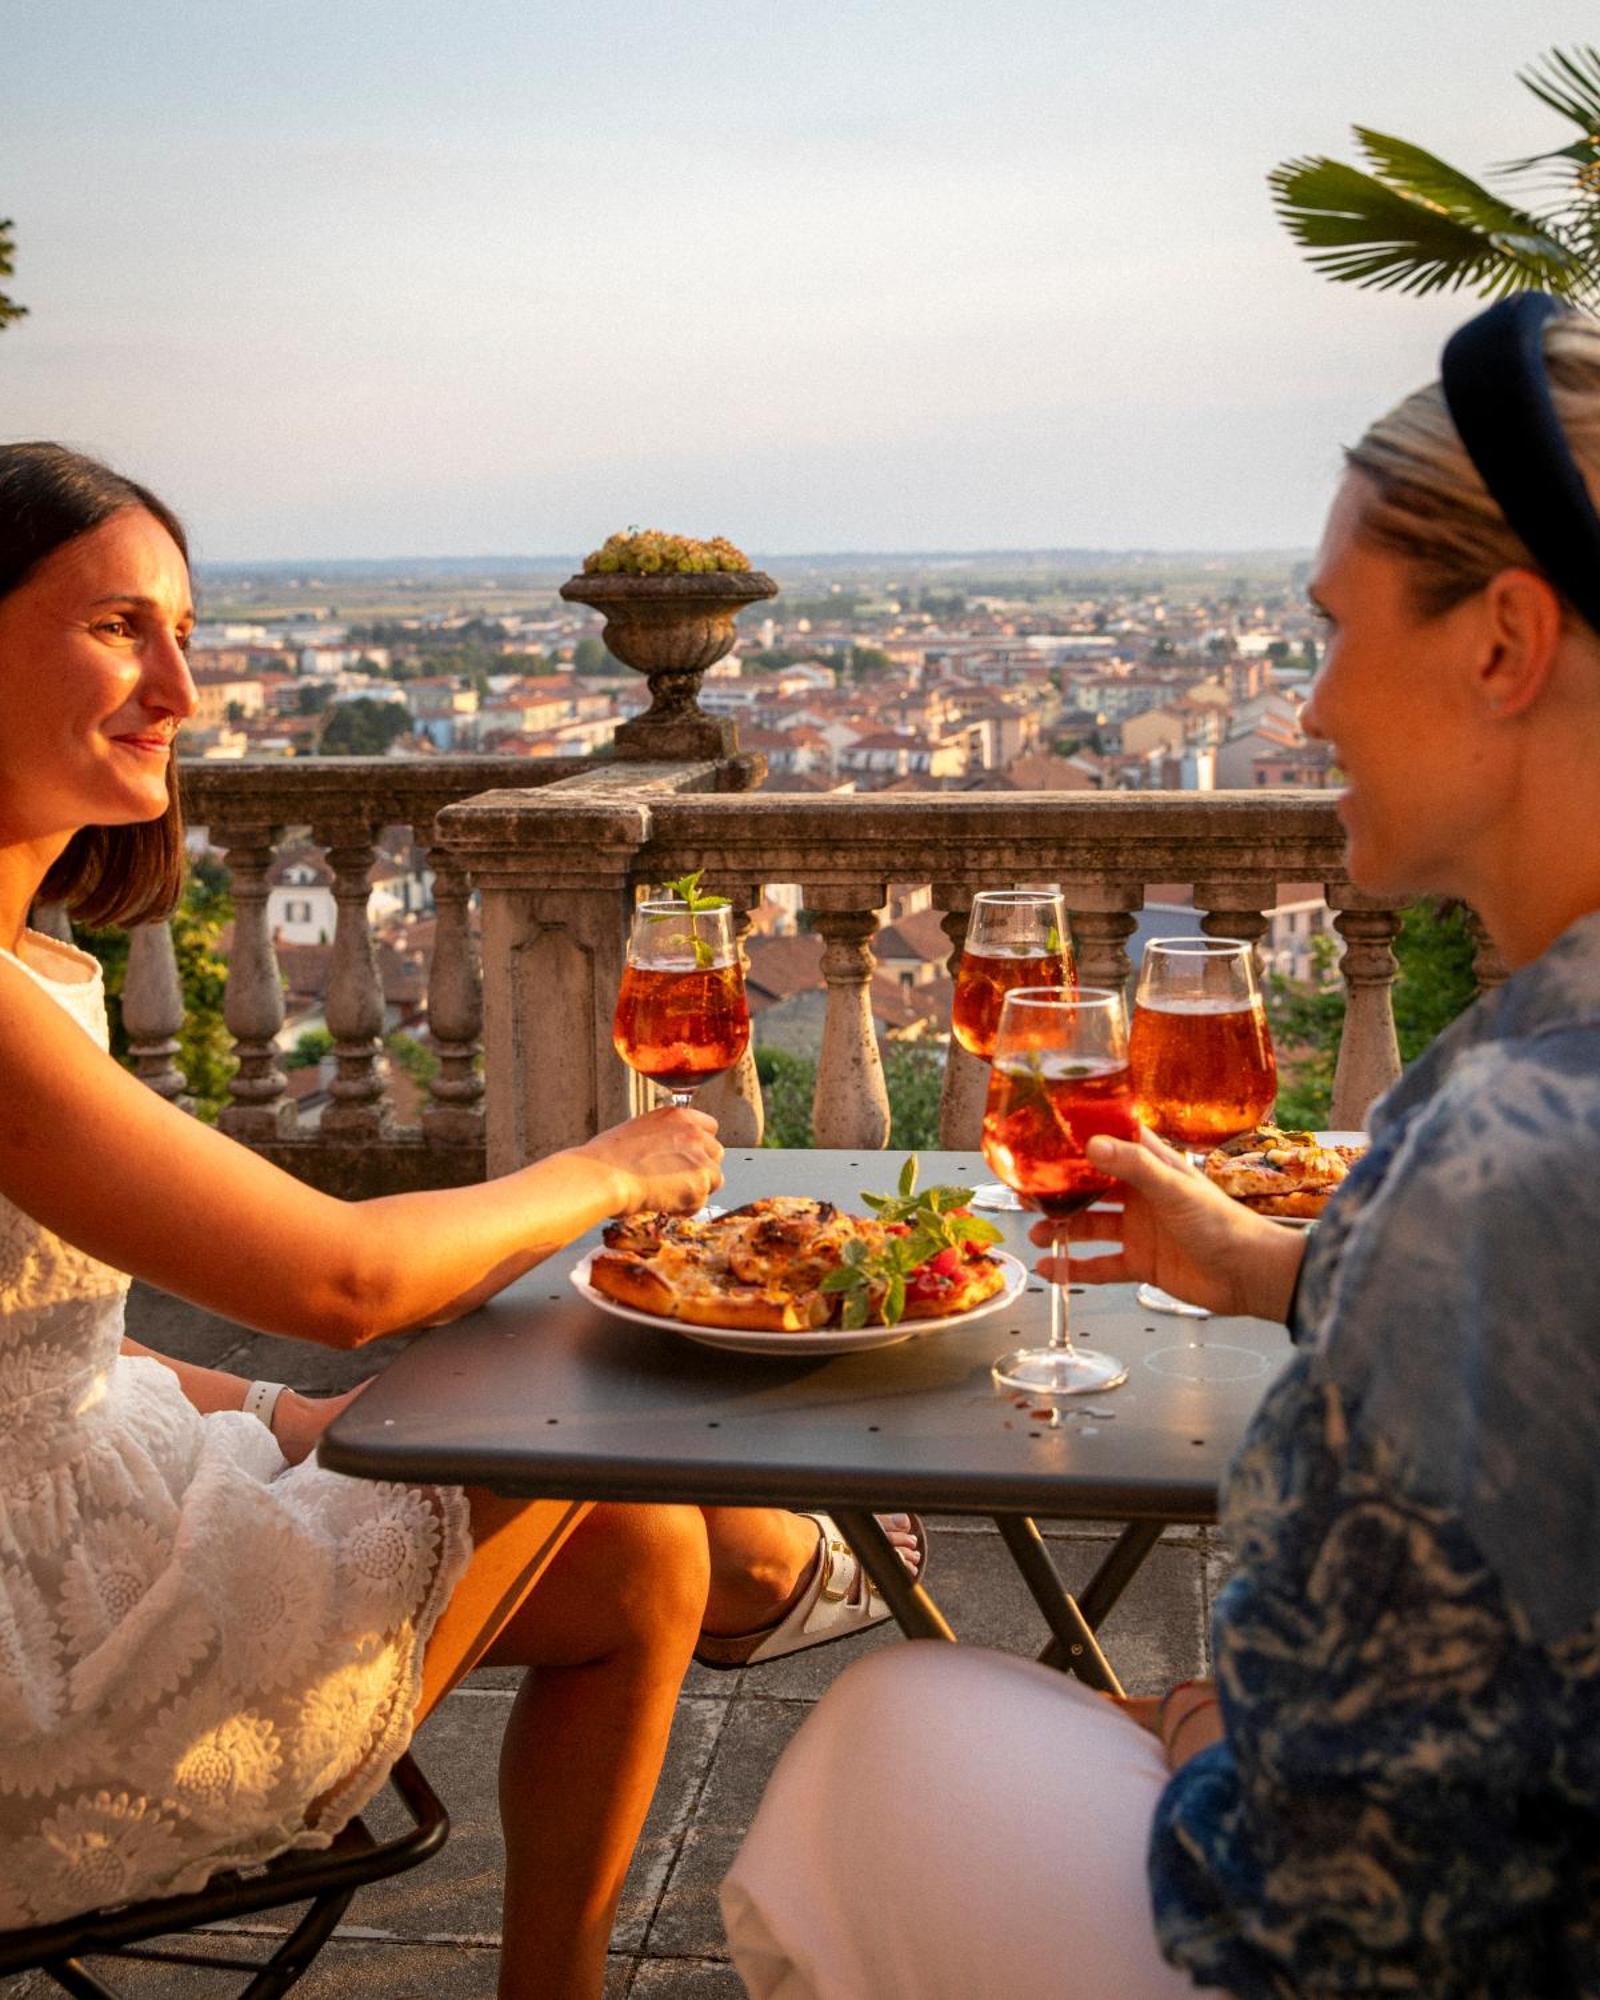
[(839, 1600)]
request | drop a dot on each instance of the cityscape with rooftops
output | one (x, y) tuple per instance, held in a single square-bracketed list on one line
[(1053, 672)]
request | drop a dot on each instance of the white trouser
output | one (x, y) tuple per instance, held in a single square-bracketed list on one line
[(952, 1824)]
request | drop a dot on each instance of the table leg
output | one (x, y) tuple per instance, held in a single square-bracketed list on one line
[(914, 1610), (1120, 1567), (1116, 1572), (1074, 1645)]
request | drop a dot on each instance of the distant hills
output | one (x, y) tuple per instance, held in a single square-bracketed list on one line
[(1109, 564)]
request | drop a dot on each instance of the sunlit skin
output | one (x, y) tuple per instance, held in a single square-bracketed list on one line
[(1469, 743), (93, 685)]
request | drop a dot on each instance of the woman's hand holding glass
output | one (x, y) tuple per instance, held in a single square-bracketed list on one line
[(1176, 1230), (669, 1159)]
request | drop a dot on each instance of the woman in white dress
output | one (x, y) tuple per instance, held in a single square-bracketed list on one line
[(210, 1650)]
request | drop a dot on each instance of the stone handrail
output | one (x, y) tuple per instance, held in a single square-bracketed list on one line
[(559, 871)]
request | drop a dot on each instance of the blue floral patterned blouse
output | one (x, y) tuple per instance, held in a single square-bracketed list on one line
[(1407, 1799)]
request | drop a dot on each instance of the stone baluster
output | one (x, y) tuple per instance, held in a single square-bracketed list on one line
[(1103, 916), (966, 1078), (1369, 1054), (453, 1115), (1488, 967), (355, 992), (1237, 909), (253, 1005), (553, 1077), (734, 1099), (851, 1105), (152, 1011)]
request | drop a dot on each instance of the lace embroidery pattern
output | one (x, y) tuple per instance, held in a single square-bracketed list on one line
[(197, 1643)]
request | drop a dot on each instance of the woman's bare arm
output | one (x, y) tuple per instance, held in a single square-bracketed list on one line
[(207, 1388), (297, 1421), (97, 1157)]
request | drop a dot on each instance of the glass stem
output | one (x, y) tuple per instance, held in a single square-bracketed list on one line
[(1060, 1311), (1196, 1156)]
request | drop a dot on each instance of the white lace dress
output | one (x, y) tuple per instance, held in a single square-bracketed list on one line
[(198, 1644)]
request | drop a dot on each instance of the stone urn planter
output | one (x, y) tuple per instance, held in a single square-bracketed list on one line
[(671, 628)]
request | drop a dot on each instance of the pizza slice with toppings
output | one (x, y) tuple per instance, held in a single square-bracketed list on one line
[(1278, 1172), (766, 1266)]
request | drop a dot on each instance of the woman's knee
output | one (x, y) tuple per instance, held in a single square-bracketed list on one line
[(889, 1699), (656, 1563), (916, 1715)]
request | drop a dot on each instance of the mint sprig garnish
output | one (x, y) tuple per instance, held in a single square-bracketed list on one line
[(878, 1278), (688, 891)]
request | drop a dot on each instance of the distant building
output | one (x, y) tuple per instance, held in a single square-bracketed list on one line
[(301, 907), (217, 693), (897, 755)]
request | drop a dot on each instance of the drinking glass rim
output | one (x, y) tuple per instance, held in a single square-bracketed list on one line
[(674, 906), (1015, 896), (1063, 996), (1202, 947)]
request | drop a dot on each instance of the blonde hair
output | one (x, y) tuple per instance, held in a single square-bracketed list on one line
[(1431, 507)]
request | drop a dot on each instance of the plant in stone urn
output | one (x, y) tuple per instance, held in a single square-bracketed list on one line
[(669, 604)]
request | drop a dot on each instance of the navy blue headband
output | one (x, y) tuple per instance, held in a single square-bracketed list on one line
[(1498, 394)]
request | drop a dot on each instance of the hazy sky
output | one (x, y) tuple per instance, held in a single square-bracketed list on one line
[(388, 277)]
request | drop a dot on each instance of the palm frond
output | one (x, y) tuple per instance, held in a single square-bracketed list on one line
[(1569, 82), (1361, 230), (1581, 153), (1424, 175)]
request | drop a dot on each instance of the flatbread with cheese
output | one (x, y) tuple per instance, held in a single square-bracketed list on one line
[(762, 1267), (1280, 1173)]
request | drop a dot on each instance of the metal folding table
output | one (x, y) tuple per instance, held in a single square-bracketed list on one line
[(541, 1393)]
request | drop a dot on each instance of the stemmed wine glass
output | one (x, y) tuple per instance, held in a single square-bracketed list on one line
[(681, 1015), (1201, 1055), (1059, 1078), (1015, 937)]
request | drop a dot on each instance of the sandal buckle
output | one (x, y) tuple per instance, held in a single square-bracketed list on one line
[(833, 1557)]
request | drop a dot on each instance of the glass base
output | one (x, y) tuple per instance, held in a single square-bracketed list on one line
[(1207, 1361), (1059, 1371), (1154, 1300), (997, 1198)]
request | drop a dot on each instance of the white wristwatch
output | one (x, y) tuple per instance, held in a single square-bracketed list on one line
[(261, 1399)]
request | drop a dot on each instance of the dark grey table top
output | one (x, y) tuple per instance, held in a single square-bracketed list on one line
[(542, 1393)]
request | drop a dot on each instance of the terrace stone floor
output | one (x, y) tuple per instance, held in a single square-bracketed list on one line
[(434, 1934)]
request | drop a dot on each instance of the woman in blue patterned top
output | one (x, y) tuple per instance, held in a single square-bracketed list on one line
[(1393, 1786)]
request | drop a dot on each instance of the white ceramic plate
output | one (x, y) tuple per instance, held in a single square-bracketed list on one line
[(826, 1340)]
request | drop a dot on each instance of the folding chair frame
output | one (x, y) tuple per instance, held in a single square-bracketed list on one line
[(326, 1879)]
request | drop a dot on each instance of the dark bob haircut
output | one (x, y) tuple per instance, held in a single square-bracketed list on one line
[(49, 496)]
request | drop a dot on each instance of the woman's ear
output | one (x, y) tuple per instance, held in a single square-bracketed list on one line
[(1524, 622)]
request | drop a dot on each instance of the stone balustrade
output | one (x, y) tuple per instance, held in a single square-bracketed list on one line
[(558, 863), (559, 869), (343, 805)]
